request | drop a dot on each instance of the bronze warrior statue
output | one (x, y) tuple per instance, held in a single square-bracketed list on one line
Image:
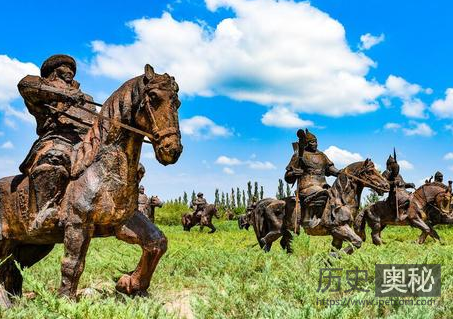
[(399, 194), (48, 164), (309, 167), (198, 205)]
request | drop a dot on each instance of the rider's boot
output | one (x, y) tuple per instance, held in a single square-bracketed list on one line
[(48, 183)]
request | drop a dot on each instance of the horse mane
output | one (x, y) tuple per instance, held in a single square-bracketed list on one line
[(118, 106)]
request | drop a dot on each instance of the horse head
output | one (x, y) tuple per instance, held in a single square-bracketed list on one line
[(366, 175), (155, 201), (158, 114)]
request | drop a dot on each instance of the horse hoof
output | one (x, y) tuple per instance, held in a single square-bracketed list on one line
[(335, 255)]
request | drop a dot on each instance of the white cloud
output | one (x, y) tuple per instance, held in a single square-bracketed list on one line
[(7, 145), (398, 87), (280, 116), (421, 129), (414, 108), (449, 127), (392, 126), (261, 165), (12, 72), (252, 164), (1, 133), (411, 106), (229, 161), (368, 40), (448, 156), (203, 127), (342, 157), (405, 165), (444, 108), (228, 171), (269, 52)]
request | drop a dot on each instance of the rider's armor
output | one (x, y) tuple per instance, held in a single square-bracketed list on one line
[(48, 164), (315, 166)]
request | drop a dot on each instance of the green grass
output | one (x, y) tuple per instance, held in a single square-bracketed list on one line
[(224, 275)]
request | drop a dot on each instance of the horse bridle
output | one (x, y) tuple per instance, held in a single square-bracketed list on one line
[(366, 183)]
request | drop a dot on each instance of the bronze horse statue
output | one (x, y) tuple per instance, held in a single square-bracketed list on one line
[(154, 202), (190, 220), (273, 218), (101, 198), (429, 205)]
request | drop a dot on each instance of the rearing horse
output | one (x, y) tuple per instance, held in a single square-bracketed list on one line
[(101, 198)]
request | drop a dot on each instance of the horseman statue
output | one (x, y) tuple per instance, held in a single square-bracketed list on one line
[(309, 167), (198, 205), (48, 164), (143, 200), (400, 196)]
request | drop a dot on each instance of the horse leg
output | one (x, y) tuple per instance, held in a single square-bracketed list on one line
[(376, 233), (286, 240), (422, 237), (10, 277), (271, 237), (139, 230), (212, 227), (420, 224), (77, 239), (380, 232)]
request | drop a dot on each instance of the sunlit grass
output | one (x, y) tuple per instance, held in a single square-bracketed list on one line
[(226, 275)]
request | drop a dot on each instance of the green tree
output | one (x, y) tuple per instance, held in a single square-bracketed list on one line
[(233, 199), (227, 201), (193, 196), (238, 197), (288, 190), (217, 199), (249, 192), (185, 199), (262, 192), (223, 200), (244, 204), (255, 192), (280, 191)]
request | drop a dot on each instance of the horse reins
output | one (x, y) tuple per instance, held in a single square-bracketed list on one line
[(366, 183), (103, 117)]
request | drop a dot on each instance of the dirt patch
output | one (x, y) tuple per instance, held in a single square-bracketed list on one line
[(180, 304)]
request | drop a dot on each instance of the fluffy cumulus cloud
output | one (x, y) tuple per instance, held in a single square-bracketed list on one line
[(283, 117), (203, 127), (444, 108), (368, 40), (12, 71), (270, 52), (412, 106), (420, 129), (405, 165), (252, 164), (342, 157)]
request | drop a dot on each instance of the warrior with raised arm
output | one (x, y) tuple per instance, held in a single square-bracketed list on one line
[(309, 167), (48, 164)]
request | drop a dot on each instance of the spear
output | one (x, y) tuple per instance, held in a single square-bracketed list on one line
[(300, 153)]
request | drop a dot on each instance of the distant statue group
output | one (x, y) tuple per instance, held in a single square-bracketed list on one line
[(334, 210), (81, 179)]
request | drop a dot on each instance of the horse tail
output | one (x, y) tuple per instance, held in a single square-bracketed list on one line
[(360, 223)]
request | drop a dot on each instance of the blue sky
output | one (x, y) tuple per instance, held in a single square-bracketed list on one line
[(364, 76)]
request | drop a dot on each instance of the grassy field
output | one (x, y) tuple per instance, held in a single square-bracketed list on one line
[(224, 275)]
